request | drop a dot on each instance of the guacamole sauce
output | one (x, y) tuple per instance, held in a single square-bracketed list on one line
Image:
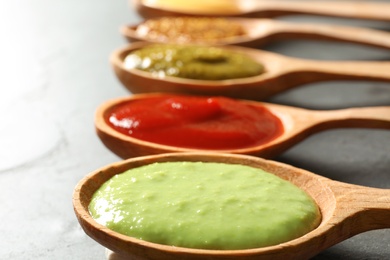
[(193, 62), (204, 205)]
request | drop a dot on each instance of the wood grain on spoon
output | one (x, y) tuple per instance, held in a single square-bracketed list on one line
[(298, 124), (368, 10), (259, 32), (281, 73), (346, 210)]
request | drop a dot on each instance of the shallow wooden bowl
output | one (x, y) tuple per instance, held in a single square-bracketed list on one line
[(346, 211), (281, 73), (369, 10), (298, 124), (260, 32)]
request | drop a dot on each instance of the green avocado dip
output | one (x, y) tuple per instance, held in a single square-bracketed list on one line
[(193, 62), (204, 205)]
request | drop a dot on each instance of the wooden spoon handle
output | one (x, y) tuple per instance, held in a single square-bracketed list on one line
[(363, 208), (307, 71), (284, 31), (302, 123), (349, 9), (365, 117)]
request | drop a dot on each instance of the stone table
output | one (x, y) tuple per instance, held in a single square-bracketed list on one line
[(55, 72)]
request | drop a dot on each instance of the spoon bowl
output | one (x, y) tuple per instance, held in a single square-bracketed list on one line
[(259, 32), (346, 211), (281, 73), (298, 124), (265, 9)]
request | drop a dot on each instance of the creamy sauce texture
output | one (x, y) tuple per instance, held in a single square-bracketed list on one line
[(204, 205), (192, 62), (212, 123), (220, 7)]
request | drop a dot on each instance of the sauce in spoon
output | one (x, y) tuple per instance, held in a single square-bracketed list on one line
[(184, 204), (192, 62), (280, 73), (248, 32), (214, 123), (255, 8), (297, 124), (346, 210)]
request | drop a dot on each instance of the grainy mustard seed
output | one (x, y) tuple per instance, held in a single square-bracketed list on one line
[(190, 29)]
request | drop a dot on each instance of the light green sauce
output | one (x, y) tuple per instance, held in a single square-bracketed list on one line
[(204, 205), (193, 62)]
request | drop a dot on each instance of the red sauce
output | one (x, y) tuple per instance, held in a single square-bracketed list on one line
[(214, 123)]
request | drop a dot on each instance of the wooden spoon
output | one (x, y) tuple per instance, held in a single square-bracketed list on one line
[(346, 210), (259, 32), (281, 73), (266, 9), (298, 124)]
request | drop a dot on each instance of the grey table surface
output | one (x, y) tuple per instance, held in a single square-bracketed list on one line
[(55, 72)]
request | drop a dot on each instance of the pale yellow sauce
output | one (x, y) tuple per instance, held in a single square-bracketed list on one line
[(225, 7)]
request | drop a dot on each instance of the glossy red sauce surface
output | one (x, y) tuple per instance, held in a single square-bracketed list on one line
[(213, 123)]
